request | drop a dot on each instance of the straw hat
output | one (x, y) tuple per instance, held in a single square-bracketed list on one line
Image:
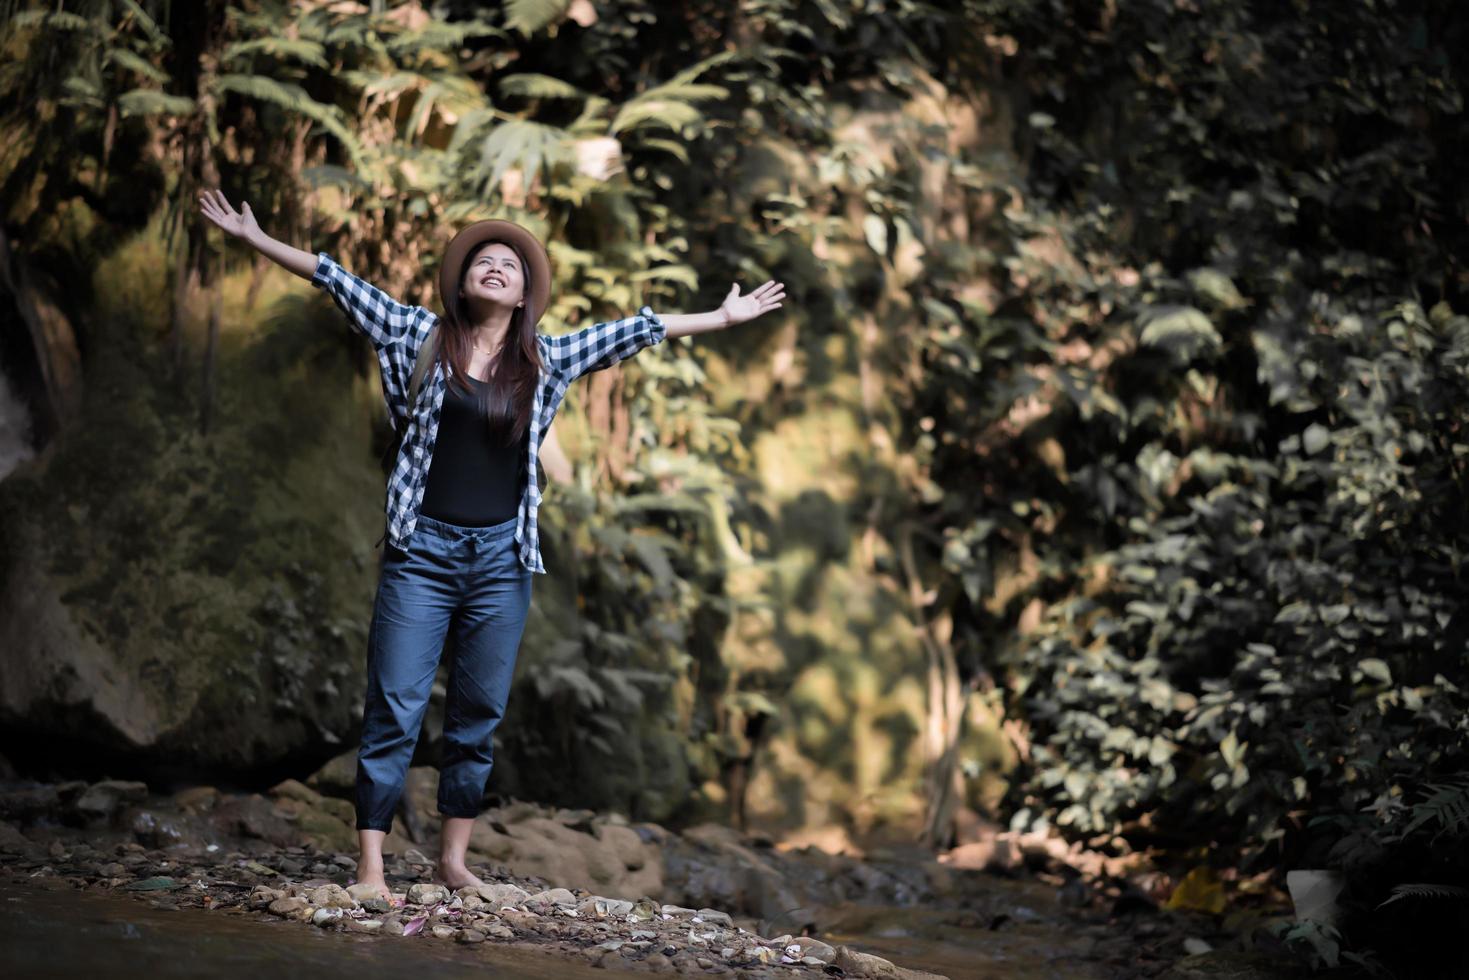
[(476, 235)]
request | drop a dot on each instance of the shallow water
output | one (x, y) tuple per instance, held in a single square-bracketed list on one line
[(52, 930)]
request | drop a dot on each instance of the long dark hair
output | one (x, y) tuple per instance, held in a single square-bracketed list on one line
[(507, 401)]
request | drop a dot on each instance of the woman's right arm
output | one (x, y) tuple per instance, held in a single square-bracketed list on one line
[(372, 312)]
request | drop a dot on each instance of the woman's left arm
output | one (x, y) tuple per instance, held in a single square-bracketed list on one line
[(604, 344), (735, 309)]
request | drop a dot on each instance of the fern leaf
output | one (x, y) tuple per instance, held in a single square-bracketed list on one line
[(149, 102), (292, 98), (280, 48), (1420, 890), (160, 40), (440, 35), (135, 63), (529, 16), (533, 86)]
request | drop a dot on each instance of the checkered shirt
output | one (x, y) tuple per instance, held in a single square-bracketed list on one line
[(397, 331)]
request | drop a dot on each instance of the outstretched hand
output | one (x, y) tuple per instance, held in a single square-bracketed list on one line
[(763, 299), (240, 224)]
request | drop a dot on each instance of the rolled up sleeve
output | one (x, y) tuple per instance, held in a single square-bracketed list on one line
[(370, 311), (604, 344)]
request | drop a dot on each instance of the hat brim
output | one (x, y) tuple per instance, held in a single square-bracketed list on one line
[(470, 238)]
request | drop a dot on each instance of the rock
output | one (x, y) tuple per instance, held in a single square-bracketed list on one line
[(287, 906), (855, 964), (261, 897), (103, 650), (333, 897), (520, 920), (471, 936), (160, 883), (422, 894), (716, 918), (369, 926), (644, 910), (392, 927), (322, 917), (501, 932), (291, 789), (554, 896), (598, 907), (338, 777), (113, 869), (499, 895), (805, 947), (1225, 965), (658, 963), (442, 932), (677, 912), (101, 801), (254, 816)]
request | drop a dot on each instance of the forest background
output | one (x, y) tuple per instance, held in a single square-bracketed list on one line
[(1105, 473)]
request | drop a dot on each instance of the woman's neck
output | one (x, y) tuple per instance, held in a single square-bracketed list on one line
[(490, 331)]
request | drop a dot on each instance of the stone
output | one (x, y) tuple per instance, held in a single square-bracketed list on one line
[(644, 910), (368, 926), (554, 896), (471, 936), (333, 897), (443, 932), (422, 894), (500, 932), (323, 917), (677, 912), (287, 906), (856, 964), (392, 927), (716, 918), (806, 947), (597, 907), (262, 897), (102, 800), (500, 895)]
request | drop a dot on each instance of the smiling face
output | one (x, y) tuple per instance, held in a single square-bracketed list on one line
[(494, 275)]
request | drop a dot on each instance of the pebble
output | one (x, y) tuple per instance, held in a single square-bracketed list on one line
[(322, 917), (427, 894), (554, 896), (442, 932), (501, 932), (333, 897), (715, 917), (471, 936), (287, 906), (807, 948)]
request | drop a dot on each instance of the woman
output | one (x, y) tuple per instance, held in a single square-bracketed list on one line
[(462, 498)]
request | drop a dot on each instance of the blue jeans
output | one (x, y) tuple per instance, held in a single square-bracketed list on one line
[(467, 579)]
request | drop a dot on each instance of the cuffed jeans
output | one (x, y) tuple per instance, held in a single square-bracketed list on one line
[(467, 579)]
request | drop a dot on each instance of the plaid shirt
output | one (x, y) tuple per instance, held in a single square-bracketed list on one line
[(397, 332)]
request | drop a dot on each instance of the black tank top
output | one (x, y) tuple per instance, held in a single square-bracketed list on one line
[(473, 480)]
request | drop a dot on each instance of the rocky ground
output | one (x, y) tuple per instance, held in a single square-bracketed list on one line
[(583, 885)]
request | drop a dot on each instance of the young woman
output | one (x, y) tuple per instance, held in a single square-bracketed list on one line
[(463, 497)]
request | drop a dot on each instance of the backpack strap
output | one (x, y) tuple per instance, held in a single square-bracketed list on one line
[(427, 353)]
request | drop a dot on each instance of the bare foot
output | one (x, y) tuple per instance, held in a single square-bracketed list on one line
[(370, 873), (455, 875)]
